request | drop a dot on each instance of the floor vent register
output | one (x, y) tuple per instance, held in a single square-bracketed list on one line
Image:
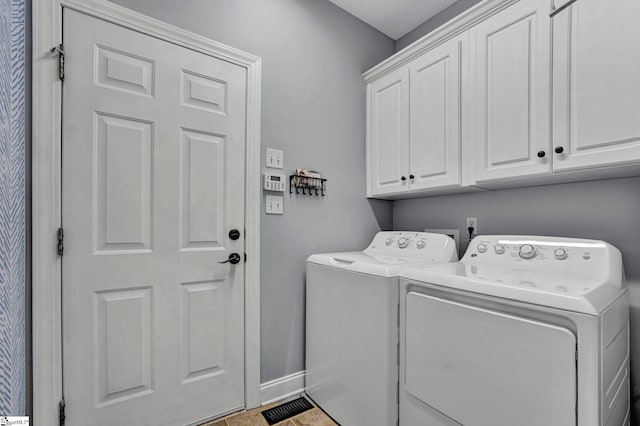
[(287, 410)]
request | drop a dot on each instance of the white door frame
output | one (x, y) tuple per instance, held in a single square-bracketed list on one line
[(46, 199)]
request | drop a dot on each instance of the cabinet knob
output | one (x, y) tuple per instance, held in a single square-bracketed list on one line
[(559, 150), (403, 178), (541, 154), (412, 177)]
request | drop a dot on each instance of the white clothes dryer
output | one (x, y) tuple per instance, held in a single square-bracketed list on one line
[(352, 324), (522, 331)]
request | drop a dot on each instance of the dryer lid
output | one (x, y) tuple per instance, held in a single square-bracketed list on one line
[(381, 265)]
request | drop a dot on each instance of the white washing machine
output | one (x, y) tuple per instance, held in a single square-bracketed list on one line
[(352, 324), (522, 331)]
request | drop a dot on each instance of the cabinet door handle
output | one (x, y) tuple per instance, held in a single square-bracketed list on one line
[(403, 178), (559, 150), (541, 154), (412, 177)]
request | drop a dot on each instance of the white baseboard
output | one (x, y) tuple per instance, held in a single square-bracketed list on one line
[(284, 387)]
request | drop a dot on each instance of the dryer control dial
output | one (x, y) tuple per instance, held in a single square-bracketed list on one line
[(499, 249), (388, 241), (403, 243), (527, 251), (560, 253), (482, 247), (420, 244)]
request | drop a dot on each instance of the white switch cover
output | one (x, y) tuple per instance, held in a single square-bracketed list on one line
[(275, 158), (275, 204)]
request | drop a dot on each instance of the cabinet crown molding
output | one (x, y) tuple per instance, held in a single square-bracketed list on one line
[(446, 31)]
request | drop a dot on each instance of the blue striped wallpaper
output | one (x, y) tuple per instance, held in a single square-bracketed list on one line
[(12, 207)]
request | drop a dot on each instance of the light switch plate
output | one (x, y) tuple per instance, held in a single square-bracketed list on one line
[(275, 204), (275, 158)]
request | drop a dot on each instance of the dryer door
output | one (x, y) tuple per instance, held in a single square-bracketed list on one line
[(482, 367)]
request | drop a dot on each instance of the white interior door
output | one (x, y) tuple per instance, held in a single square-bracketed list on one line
[(153, 180)]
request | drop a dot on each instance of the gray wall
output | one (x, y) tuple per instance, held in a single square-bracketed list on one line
[(431, 24), (313, 109), (606, 210)]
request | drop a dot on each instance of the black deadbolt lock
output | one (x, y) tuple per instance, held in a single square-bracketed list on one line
[(234, 234)]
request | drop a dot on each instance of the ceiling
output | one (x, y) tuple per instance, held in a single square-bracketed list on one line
[(393, 18)]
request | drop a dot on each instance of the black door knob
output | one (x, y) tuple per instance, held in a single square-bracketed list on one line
[(403, 178), (233, 259), (234, 234), (541, 154), (411, 177), (559, 150)]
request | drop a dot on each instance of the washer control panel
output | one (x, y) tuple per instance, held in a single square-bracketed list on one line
[(412, 244), (529, 252), (557, 265)]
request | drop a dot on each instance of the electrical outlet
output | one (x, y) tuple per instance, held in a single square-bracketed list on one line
[(472, 222)]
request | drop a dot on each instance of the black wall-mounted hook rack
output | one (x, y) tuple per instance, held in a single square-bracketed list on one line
[(308, 185)]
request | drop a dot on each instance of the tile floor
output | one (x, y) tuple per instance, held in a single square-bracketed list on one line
[(313, 417)]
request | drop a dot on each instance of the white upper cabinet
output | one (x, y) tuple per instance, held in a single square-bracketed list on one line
[(596, 76), (414, 124), (509, 93), (510, 90), (388, 134), (435, 132)]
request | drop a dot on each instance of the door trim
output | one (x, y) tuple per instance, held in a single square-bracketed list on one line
[(46, 191)]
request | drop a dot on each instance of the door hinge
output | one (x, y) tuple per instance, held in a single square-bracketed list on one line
[(61, 412), (59, 50), (60, 241)]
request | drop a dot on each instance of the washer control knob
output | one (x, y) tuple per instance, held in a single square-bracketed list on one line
[(499, 249), (420, 244), (482, 247), (388, 241), (403, 242), (560, 253), (527, 251)]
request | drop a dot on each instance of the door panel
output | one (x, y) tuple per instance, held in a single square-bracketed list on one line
[(153, 178), (596, 84), (389, 135), (510, 69), (122, 163), (123, 352), (488, 368), (436, 81)]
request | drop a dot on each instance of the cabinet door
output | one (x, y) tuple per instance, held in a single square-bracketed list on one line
[(596, 98), (388, 134), (434, 150), (510, 66)]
